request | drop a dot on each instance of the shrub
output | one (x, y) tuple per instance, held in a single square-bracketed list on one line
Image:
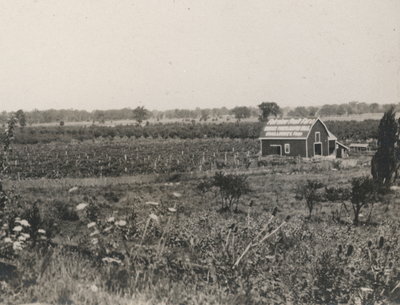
[(231, 187), (65, 212), (335, 194), (92, 210), (203, 187), (363, 192), (309, 192)]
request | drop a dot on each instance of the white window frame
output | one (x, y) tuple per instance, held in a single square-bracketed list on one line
[(319, 137), (287, 148)]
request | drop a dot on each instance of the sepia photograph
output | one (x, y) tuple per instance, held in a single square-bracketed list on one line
[(200, 152)]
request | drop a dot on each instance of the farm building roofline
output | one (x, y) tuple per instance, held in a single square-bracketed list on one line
[(342, 145), (331, 136)]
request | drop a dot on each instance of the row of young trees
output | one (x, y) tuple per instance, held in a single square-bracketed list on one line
[(363, 191), (347, 131)]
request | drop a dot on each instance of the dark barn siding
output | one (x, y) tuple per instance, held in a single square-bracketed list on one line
[(297, 147), (318, 126)]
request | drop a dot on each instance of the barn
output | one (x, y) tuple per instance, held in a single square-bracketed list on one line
[(299, 137)]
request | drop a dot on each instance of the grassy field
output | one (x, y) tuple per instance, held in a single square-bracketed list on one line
[(158, 239)]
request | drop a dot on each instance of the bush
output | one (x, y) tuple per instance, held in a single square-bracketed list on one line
[(363, 192), (65, 212), (231, 188), (309, 192), (335, 194)]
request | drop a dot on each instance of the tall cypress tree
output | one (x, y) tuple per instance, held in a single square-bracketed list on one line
[(384, 164)]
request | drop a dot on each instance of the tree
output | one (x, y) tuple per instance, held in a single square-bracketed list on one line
[(8, 136), (204, 114), (363, 192), (20, 115), (267, 109), (242, 112), (309, 192), (384, 164), (99, 116), (140, 114), (327, 110), (231, 188), (300, 111), (341, 110), (312, 110), (374, 107), (5, 146)]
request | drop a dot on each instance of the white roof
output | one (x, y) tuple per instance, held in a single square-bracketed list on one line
[(287, 128), (290, 128)]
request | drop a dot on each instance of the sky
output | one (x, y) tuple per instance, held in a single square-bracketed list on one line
[(165, 54)]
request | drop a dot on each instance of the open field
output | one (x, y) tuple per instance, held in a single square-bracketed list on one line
[(158, 239)]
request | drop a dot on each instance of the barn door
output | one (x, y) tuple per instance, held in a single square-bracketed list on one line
[(276, 150), (317, 149)]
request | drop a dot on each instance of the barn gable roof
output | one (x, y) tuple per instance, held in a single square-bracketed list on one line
[(290, 129)]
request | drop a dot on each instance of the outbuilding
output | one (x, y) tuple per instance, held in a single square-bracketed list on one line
[(359, 147), (299, 137)]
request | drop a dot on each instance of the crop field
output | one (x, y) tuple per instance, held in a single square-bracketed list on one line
[(128, 157)]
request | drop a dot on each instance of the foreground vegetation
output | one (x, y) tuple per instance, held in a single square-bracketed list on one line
[(169, 241)]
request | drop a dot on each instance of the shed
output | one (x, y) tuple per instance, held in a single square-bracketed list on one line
[(299, 137), (342, 151), (359, 147)]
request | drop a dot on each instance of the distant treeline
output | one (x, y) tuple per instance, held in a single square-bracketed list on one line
[(344, 130), (70, 115), (350, 108), (354, 130)]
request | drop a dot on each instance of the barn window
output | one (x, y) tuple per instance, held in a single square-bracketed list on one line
[(317, 136), (287, 148)]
